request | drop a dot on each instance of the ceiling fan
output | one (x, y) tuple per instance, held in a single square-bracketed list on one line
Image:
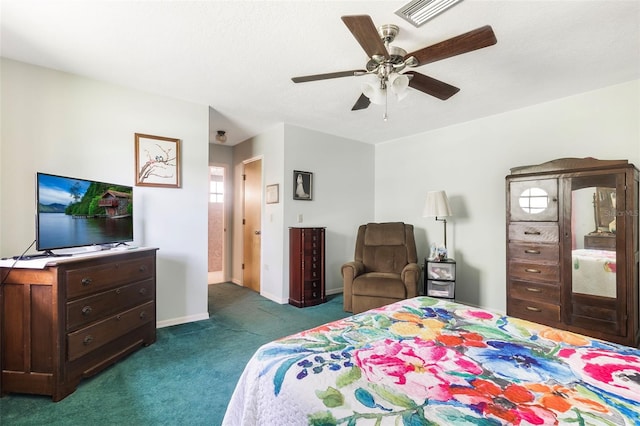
[(387, 62)]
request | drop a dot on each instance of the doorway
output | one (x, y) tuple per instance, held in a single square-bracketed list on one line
[(217, 226), (251, 230)]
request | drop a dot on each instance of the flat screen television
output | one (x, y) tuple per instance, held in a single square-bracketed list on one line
[(75, 212)]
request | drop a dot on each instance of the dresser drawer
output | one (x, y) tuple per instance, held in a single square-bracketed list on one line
[(312, 270), (100, 277), (92, 308), (531, 271), (312, 289), (544, 313), (534, 232), (533, 252), (548, 293), (90, 338)]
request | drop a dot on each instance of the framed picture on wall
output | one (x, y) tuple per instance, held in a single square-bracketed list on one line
[(302, 185), (272, 194), (157, 161)]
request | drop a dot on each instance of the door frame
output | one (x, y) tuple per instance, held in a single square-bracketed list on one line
[(226, 216)]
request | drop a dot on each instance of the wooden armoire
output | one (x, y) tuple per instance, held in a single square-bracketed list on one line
[(572, 247)]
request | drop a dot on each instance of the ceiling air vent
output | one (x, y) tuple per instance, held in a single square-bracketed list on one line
[(418, 12)]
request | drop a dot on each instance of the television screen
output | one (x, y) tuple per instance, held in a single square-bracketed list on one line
[(77, 212)]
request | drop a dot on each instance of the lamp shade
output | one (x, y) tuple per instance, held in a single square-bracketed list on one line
[(437, 204), (398, 84), (375, 94)]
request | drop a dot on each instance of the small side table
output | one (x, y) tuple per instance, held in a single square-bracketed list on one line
[(440, 278)]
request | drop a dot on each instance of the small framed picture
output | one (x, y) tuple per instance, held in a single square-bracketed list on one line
[(302, 185), (157, 161), (272, 193)]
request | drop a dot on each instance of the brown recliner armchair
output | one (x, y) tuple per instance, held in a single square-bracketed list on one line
[(385, 269)]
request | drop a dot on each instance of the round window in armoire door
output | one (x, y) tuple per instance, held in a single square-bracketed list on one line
[(533, 200)]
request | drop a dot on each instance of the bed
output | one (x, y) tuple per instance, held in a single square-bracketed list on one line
[(427, 361), (594, 272)]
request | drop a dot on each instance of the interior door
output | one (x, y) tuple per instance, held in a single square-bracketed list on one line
[(251, 221)]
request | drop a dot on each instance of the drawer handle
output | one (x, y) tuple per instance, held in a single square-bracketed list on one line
[(86, 281), (86, 310), (118, 291), (314, 285), (531, 308), (529, 251), (142, 291), (531, 232), (143, 268), (143, 315), (534, 290), (87, 340), (533, 271), (314, 295), (118, 317)]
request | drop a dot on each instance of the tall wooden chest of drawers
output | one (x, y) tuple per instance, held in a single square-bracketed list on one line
[(306, 266), (565, 268), (75, 317)]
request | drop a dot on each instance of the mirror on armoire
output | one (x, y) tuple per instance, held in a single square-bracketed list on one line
[(593, 236)]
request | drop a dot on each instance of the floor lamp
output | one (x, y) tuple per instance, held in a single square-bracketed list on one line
[(437, 205)]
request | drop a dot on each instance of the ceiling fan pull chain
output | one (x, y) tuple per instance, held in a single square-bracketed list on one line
[(386, 102)]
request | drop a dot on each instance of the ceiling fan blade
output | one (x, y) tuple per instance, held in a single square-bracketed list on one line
[(365, 32), (362, 103), (431, 86), (326, 76), (467, 42)]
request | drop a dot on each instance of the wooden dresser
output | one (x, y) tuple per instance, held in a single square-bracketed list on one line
[(306, 266), (75, 317), (558, 272)]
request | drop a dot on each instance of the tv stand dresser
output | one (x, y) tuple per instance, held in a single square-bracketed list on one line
[(73, 318)]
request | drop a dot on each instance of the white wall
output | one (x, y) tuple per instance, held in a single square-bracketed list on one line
[(470, 162), (342, 199), (343, 193), (64, 124)]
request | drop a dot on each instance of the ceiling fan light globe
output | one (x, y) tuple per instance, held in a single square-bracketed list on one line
[(375, 94), (398, 84)]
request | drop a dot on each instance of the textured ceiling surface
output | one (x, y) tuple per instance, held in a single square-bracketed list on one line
[(238, 57)]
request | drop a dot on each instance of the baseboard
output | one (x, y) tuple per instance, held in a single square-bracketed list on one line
[(274, 298), (334, 291), (182, 320)]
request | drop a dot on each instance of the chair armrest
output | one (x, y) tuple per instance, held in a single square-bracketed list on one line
[(410, 276), (350, 271)]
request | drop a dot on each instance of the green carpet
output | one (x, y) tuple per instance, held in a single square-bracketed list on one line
[(186, 377)]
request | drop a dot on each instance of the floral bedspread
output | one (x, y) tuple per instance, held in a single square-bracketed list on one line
[(428, 361)]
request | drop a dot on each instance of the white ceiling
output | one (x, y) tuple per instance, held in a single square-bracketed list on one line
[(239, 56)]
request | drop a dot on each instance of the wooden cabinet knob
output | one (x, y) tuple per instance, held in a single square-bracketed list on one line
[(87, 340), (143, 315), (86, 310), (86, 281)]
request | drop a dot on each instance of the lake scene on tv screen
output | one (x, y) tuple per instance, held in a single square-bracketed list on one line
[(76, 212)]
